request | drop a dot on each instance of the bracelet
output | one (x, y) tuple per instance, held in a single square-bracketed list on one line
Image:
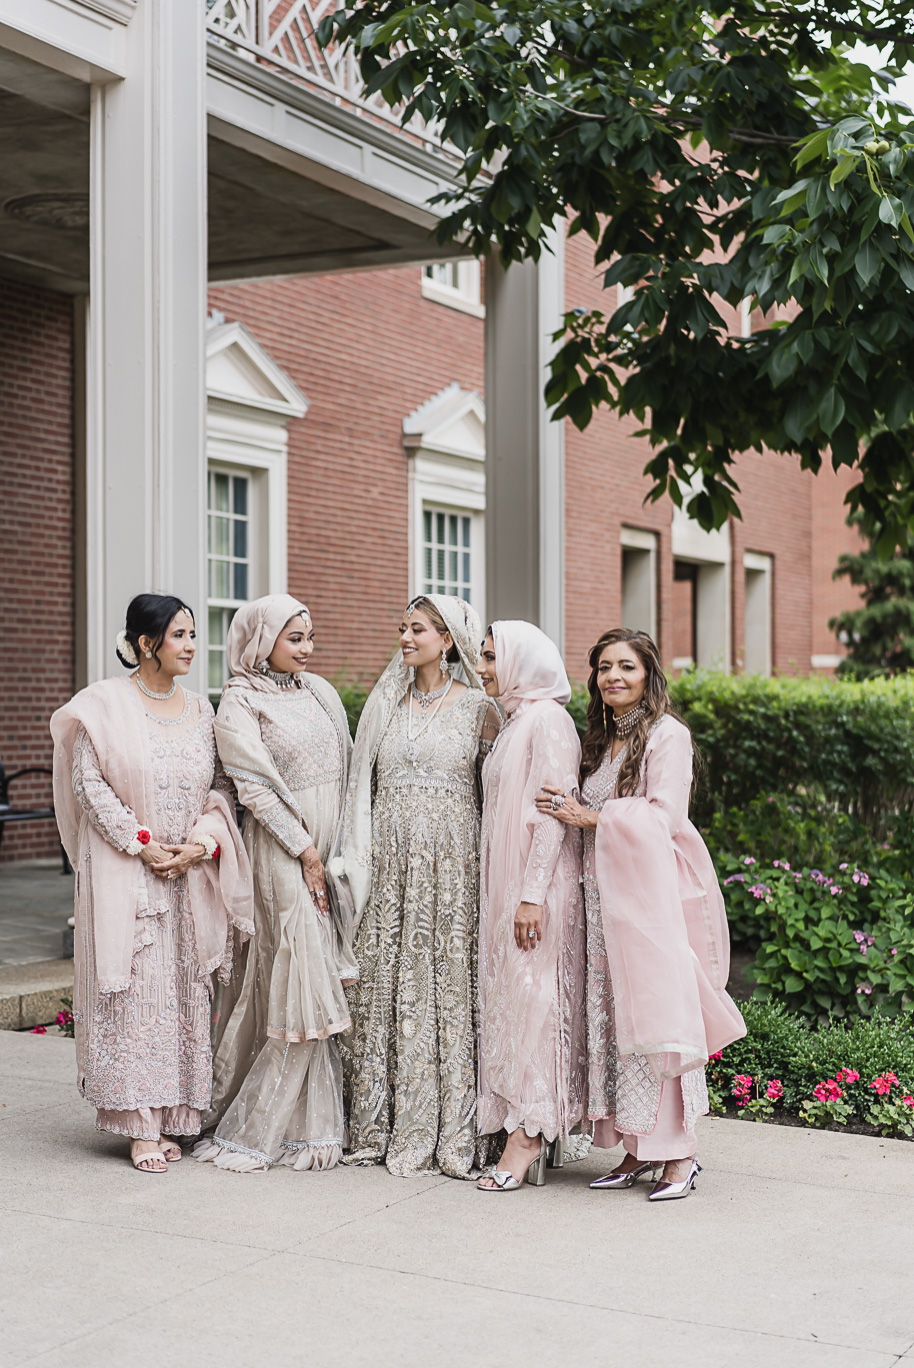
[(141, 839), (211, 849)]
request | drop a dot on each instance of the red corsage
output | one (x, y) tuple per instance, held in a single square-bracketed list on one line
[(143, 836), (217, 852)]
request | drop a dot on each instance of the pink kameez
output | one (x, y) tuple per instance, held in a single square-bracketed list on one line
[(531, 1050), (658, 955)]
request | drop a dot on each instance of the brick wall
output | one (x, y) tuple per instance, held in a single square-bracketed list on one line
[(365, 349), (830, 538), (36, 542)]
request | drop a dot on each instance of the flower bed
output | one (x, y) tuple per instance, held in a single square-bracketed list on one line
[(782, 1070)]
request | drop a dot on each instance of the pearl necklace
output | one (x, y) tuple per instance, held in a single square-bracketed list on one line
[(151, 693)]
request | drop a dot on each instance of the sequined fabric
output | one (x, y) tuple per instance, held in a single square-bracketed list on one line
[(148, 1047), (411, 1056), (620, 1086)]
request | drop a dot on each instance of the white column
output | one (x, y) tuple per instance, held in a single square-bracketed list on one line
[(525, 451), (145, 485)]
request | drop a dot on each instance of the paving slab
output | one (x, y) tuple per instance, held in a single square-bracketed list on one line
[(795, 1252), (35, 901)]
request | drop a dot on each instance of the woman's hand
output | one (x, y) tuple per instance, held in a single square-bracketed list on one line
[(179, 859), (528, 926), (155, 855), (566, 808), (315, 879)]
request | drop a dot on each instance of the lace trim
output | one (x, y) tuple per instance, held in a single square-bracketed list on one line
[(171, 721), (297, 1145), (443, 784), (241, 1149)]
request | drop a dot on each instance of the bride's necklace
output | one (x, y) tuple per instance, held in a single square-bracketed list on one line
[(429, 713), (151, 693)]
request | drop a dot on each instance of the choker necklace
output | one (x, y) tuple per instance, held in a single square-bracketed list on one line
[(151, 693), (282, 680), (628, 721)]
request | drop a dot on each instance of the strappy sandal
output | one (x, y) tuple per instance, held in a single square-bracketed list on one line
[(150, 1161), (504, 1180), (170, 1149)]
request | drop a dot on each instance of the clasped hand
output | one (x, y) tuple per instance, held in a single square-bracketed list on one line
[(171, 861), (316, 881)]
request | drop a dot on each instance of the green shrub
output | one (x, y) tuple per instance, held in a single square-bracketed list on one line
[(779, 1046), (354, 697)]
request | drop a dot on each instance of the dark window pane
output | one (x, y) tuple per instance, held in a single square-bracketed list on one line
[(241, 582), (220, 493), (241, 495), (427, 525), (466, 531), (241, 538)]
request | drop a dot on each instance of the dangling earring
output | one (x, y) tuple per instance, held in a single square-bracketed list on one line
[(605, 723), (444, 669)]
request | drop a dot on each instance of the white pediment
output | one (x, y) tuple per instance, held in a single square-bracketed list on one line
[(451, 423), (240, 373)]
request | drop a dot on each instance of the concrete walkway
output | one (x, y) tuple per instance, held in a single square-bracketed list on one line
[(796, 1251), (35, 902)]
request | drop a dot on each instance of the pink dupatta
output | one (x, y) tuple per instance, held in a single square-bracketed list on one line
[(664, 921), (220, 894)]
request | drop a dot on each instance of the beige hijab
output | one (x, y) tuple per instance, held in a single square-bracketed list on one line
[(252, 636)]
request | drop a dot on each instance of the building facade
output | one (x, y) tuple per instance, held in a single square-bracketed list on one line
[(233, 361)]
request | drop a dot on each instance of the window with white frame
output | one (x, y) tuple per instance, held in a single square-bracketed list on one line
[(639, 580), (229, 553), (447, 552), (758, 572), (454, 283)]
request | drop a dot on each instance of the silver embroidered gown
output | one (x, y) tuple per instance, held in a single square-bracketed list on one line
[(278, 1092), (143, 1055), (413, 1090), (623, 1088)]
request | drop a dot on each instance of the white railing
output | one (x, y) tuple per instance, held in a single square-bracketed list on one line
[(281, 34)]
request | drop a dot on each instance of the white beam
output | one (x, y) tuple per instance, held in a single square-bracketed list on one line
[(145, 472)]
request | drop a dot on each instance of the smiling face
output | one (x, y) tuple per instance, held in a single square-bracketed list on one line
[(420, 640), (293, 646), (487, 667), (621, 676), (177, 651)]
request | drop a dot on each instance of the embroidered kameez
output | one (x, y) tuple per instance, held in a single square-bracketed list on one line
[(675, 1004), (277, 1093), (143, 1039)]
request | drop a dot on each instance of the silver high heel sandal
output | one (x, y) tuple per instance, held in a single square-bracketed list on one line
[(669, 1192), (505, 1181), (626, 1180)]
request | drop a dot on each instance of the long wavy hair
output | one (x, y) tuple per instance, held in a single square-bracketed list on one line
[(601, 730)]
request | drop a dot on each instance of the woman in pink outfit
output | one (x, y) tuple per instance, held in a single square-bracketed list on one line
[(657, 945), (531, 928)]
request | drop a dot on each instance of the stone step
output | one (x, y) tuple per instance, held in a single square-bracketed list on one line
[(30, 994)]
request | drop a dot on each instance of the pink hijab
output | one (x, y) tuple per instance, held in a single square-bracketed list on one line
[(528, 664)]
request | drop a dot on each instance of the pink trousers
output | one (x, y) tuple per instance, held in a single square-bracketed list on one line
[(668, 1140), (148, 1123)]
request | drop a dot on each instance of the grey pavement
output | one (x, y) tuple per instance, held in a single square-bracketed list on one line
[(35, 902), (797, 1250)]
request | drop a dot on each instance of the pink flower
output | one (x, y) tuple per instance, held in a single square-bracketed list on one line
[(883, 1084), (775, 1090), (834, 890), (843, 866), (828, 1091), (847, 1076), (866, 988), (908, 1101), (742, 1086), (718, 1055), (749, 859), (38, 1030)]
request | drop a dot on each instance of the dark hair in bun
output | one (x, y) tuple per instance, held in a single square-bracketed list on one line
[(149, 615)]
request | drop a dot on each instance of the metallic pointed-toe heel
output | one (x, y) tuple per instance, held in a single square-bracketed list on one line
[(624, 1180), (670, 1192)]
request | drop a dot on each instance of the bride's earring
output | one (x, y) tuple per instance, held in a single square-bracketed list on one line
[(605, 723), (444, 669)]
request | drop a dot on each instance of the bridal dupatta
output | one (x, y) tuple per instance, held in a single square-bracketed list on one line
[(664, 921), (219, 893)]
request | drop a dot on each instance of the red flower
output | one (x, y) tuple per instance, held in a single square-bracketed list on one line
[(217, 852), (144, 836), (828, 1091), (883, 1084), (775, 1090), (38, 1030)]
